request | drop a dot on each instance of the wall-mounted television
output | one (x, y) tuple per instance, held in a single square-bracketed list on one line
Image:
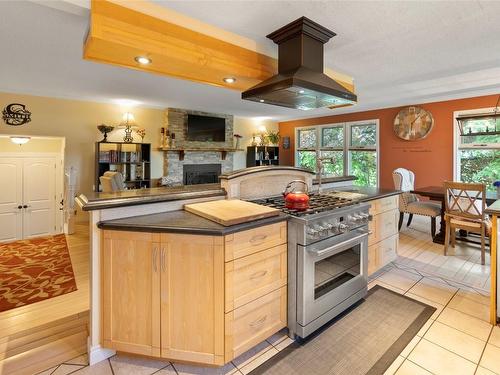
[(206, 128)]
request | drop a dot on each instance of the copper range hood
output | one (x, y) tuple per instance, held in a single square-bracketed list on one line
[(300, 82)]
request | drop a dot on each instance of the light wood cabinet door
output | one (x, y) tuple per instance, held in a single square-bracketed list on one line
[(131, 292), (192, 298)]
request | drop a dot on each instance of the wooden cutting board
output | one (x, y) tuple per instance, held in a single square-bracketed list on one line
[(231, 212)]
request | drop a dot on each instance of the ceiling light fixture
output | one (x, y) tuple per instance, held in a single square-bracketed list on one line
[(301, 91), (20, 140), (229, 80), (143, 60), (261, 100)]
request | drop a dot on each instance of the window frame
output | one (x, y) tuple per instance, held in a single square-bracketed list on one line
[(457, 144), (347, 142)]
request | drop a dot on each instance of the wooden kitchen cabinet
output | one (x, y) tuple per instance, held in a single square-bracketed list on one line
[(192, 298), (383, 240), (178, 297), (131, 292)]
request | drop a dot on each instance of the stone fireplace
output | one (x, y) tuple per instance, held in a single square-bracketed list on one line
[(194, 174), (200, 154)]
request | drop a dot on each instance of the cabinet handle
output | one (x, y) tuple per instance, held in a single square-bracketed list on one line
[(258, 322), (258, 238), (155, 252), (163, 265), (257, 275)]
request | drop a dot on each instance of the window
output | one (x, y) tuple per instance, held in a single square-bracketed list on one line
[(351, 147), (477, 157)]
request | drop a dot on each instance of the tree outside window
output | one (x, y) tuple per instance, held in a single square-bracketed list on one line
[(352, 148)]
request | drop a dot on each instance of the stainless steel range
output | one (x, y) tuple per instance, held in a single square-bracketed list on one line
[(327, 259)]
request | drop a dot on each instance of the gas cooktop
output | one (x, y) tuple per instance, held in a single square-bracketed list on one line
[(317, 203)]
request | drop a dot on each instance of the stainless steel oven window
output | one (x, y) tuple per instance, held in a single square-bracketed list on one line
[(336, 270)]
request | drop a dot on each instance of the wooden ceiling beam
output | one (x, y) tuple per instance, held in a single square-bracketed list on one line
[(118, 34)]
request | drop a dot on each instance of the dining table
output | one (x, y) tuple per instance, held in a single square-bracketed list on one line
[(437, 193)]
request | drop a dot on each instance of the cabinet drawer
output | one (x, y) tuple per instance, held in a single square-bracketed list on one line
[(248, 242), (254, 322), (255, 275), (384, 204), (387, 224), (387, 250)]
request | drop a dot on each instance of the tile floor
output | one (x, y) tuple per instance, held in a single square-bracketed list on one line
[(457, 340)]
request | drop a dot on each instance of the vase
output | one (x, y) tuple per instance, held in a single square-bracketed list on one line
[(498, 192), (237, 144)]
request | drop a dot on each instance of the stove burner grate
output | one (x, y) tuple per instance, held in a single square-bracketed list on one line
[(317, 203)]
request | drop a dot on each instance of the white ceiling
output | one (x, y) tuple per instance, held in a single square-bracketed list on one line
[(398, 52)]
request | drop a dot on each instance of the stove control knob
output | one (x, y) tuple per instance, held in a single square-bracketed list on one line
[(314, 231), (342, 228)]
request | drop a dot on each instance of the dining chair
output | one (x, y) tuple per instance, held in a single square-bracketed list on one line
[(409, 203), (464, 209)]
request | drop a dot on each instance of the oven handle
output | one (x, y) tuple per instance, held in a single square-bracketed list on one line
[(332, 248)]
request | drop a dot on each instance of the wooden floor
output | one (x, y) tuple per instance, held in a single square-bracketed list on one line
[(53, 329)]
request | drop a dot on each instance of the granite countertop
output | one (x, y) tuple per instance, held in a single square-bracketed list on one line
[(98, 201), (327, 180), (371, 193), (182, 222), (493, 209)]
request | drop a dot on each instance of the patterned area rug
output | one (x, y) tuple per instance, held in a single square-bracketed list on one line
[(34, 270)]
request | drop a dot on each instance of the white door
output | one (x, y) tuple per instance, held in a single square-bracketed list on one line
[(11, 199), (39, 196)]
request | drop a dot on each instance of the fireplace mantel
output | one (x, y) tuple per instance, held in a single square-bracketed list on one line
[(223, 151)]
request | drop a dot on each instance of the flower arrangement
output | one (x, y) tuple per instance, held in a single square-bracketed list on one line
[(142, 133)]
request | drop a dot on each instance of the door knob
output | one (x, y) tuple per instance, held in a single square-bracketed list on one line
[(25, 206), (19, 207)]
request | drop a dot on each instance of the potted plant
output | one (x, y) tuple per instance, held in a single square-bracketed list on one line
[(273, 137)]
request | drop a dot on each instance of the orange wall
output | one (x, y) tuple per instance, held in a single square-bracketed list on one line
[(431, 158)]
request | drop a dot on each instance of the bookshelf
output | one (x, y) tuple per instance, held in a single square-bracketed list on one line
[(262, 155), (132, 160)]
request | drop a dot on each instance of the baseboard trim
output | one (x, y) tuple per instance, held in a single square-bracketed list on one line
[(98, 353)]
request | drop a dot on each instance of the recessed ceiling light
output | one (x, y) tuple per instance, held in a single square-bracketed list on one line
[(261, 100), (301, 91), (143, 60), (229, 80), (20, 140)]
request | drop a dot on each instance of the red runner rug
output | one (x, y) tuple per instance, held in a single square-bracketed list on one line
[(34, 270)]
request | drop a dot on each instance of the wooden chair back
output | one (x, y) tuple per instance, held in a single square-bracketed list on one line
[(465, 200)]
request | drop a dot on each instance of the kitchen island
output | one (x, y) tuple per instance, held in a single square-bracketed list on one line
[(180, 287), (126, 204), (155, 216)]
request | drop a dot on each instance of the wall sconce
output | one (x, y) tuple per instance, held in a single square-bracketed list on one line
[(128, 123), (20, 140)]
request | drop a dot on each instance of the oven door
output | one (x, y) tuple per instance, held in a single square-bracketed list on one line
[(329, 272)]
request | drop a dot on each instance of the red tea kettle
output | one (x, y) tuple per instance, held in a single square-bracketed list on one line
[(296, 200)]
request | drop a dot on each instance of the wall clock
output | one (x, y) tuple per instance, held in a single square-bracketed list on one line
[(413, 123)]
